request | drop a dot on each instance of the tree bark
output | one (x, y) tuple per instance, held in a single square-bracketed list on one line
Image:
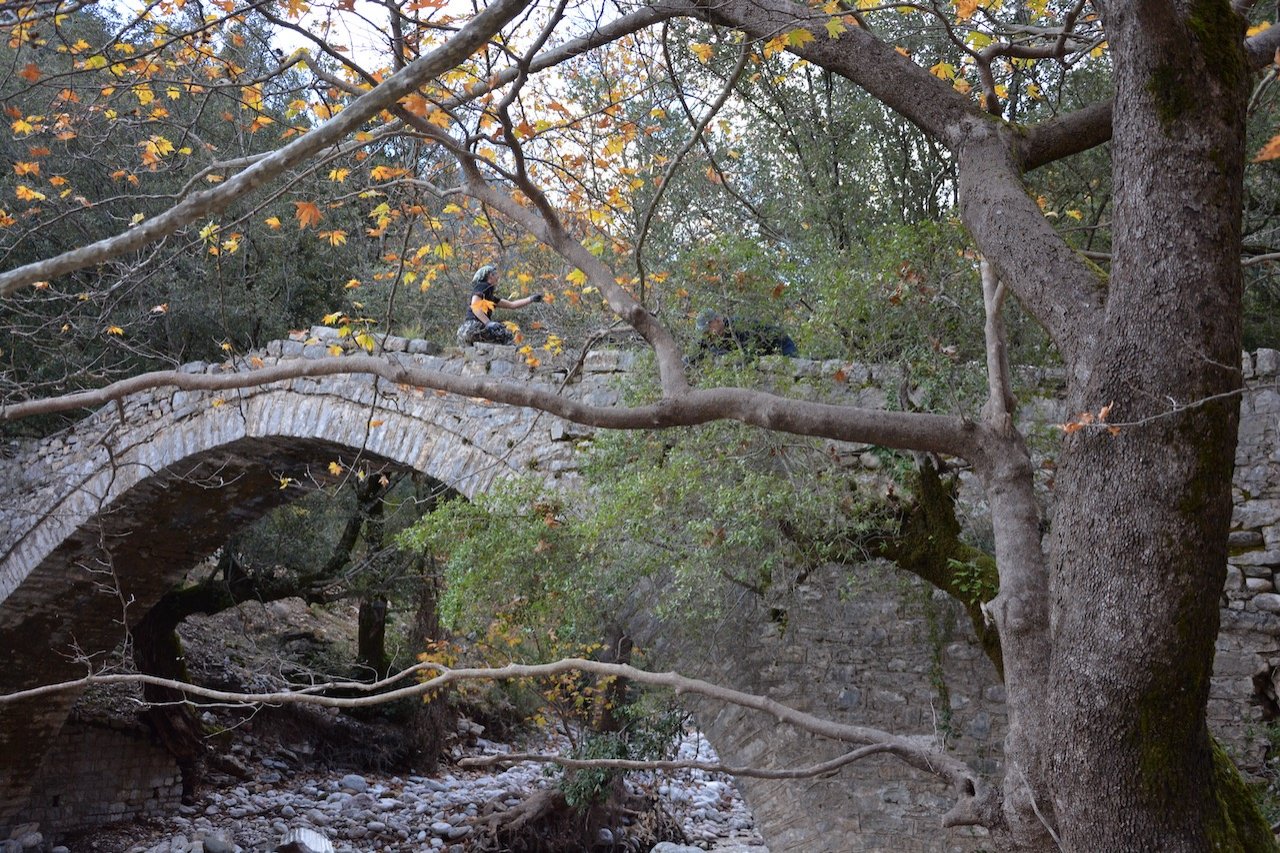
[(1138, 550)]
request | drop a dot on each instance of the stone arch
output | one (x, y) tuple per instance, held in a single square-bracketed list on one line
[(108, 516)]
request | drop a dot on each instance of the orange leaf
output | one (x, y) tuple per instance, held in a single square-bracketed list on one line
[(308, 213), (1270, 151), (1105, 410), (31, 73)]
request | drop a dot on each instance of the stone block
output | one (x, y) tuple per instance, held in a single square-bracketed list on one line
[(1268, 602), (1266, 362)]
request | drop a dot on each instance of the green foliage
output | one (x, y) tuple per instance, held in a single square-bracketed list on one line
[(650, 732), (972, 581)]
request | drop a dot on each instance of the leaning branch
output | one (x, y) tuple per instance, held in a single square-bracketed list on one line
[(404, 82), (919, 752), (943, 434), (821, 769)]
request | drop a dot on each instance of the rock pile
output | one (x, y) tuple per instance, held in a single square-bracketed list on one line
[(368, 813)]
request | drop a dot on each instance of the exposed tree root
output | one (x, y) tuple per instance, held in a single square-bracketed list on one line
[(546, 823)]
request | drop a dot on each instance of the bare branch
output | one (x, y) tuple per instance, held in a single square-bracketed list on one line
[(821, 769), (921, 752)]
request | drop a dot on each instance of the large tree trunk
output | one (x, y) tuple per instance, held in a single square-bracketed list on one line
[(1138, 553)]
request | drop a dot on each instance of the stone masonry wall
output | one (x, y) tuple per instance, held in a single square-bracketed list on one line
[(99, 773), (868, 645)]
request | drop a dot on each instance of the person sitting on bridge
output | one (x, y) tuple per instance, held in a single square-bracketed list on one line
[(479, 325), (719, 335)]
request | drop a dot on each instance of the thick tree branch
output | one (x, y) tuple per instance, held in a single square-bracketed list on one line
[(469, 39), (908, 430)]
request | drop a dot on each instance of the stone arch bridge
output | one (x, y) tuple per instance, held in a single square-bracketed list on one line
[(98, 521)]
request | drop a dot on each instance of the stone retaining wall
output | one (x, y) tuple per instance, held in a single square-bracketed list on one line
[(98, 773)]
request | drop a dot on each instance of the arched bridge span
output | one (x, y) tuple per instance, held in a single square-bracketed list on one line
[(99, 521)]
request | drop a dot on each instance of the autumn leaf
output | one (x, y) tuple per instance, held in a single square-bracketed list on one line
[(486, 306), (702, 51), (31, 73), (330, 319), (308, 213), (115, 330), (338, 175), (25, 193), (335, 468), (834, 28), (336, 237), (26, 169), (799, 37), (366, 341), (273, 222), (943, 71), (1270, 151)]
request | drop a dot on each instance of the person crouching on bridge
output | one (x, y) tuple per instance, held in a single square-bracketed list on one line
[(479, 326)]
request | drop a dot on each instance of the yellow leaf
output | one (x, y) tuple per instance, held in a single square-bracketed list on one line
[(799, 37), (702, 51), (966, 8), (256, 362), (375, 423), (226, 346), (943, 71), (335, 349), (115, 330), (834, 28), (1075, 214), (336, 237), (23, 127), (1257, 28), (352, 283), (338, 175), (26, 168), (221, 402), (335, 468), (273, 222), (330, 319), (365, 340), (577, 277), (485, 305), (25, 193)]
